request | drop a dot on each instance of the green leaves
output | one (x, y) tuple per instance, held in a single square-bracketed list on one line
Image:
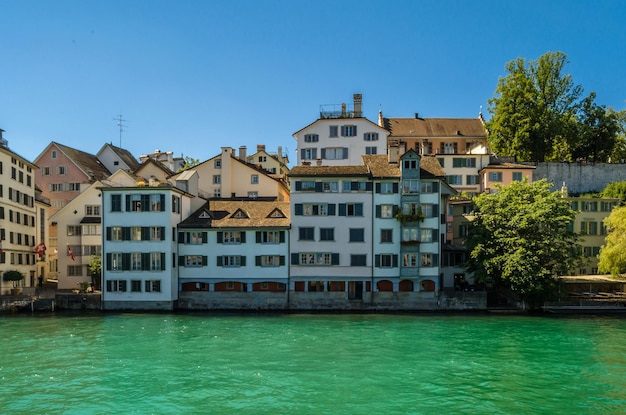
[(520, 238), (613, 253)]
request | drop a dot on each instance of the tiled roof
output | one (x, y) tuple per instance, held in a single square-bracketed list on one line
[(328, 171), (430, 165), (380, 168), (256, 214), (126, 156), (507, 165), (435, 127), (166, 170), (88, 163)]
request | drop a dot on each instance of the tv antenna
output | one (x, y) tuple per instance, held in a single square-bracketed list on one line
[(120, 124)]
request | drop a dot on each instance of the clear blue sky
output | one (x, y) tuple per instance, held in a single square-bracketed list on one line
[(193, 76)]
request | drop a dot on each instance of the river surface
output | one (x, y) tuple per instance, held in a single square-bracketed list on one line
[(311, 364)]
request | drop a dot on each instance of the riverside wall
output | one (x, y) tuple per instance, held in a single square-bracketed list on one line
[(579, 177)]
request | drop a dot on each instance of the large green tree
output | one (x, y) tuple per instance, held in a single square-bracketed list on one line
[(538, 114), (613, 252), (520, 239)]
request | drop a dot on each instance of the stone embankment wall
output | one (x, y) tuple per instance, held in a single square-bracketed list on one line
[(580, 177)]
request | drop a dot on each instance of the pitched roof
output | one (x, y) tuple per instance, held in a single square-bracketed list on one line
[(328, 171), (88, 163), (380, 168), (430, 165), (435, 127), (495, 164), (158, 164), (254, 214), (125, 155)]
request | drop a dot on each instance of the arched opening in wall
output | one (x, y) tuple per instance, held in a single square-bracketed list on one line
[(299, 286), (384, 285), (406, 285), (230, 286), (269, 286), (427, 285), (195, 286), (336, 285)]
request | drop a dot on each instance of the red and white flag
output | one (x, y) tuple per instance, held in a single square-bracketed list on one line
[(70, 253), (0, 246), (41, 249)]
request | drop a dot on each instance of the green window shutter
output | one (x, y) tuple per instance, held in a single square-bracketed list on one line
[(242, 261), (162, 261), (258, 237), (257, 260), (220, 261), (108, 233), (298, 209), (126, 233), (145, 233), (282, 237), (281, 260), (220, 237), (377, 261), (378, 211), (298, 186), (181, 261), (162, 233), (204, 237), (396, 187), (205, 260), (109, 260), (358, 209), (162, 203), (126, 261), (243, 237), (127, 203), (318, 187), (331, 209), (145, 203), (342, 209), (334, 259), (295, 259), (395, 260), (145, 261), (377, 187)]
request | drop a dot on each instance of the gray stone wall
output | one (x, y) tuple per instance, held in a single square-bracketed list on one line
[(579, 177)]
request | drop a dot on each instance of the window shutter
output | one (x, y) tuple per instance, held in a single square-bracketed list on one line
[(314, 153), (295, 259), (181, 237), (281, 260), (282, 237), (318, 187), (358, 209), (435, 260), (323, 153), (145, 233), (331, 209), (205, 260), (434, 235), (257, 260), (354, 186), (242, 261), (302, 154), (334, 259), (162, 261), (298, 186), (345, 152), (395, 260), (108, 233), (343, 130), (126, 261), (162, 203), (145, 203), (378, 187), (369, 186), (435, 187), (342, 209), (204, 237), (220, 237), (258, 237), (162, 233), (298, 209), (378, 211), (395, 188), (109, 261), (377, 261), (181, 261), (127, 203), (435, 211), (173, 260), (145, 261), (243, 237), (354, 131), (220, 261)]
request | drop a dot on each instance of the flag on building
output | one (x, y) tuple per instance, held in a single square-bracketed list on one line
[(41, 249), (70, 253), (0, 246)]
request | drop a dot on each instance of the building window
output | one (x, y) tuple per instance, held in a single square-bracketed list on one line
[(116, 233), (231, 237), (217, 179), (54, 154), (156, 233), (386, 260), (386, 235), (75, 270), (428, 260), (409, 260), (270, 237), (386, 211), (195, 261), (254, 179), (135, 233), (410, 209), (333, 131), (471, 179), (175, 204), (73, 230), (155, 203), (315, 209), (90, 229), (316, 258), (348, 130), (45, 171), (135, 261), (357, 235), (464, 162), (92, 210), (116, 261), (351, 209), (270, 260), (61, 170), (409, 234), (358, 260), (231, 261), (588, 228), (371, 150), (410, 164), (311, 138), (455, 179), (306, 233), (370, 137), (517, 176), (116, 286), (495, 176), (155, 261), (327, 234), (410, 186), (331, 187), (428, 235), (334, 153), (217, 164)]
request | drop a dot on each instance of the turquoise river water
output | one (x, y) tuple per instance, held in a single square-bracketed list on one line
[(311, 364)]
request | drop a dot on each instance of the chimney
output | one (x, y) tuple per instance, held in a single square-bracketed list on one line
[(417, 115), (343, 110), (280, 153), (381, 121), (358, 101), (260, 147), (242, 153)]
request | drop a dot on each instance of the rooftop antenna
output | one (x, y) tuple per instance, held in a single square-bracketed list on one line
[(120, 123)]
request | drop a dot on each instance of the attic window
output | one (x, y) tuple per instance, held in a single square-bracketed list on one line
[(239, 214), (116, 163), (204, 215), (276, 213)]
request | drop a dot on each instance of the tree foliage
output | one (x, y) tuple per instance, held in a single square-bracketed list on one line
[(537, 114), (613, 252), (519, 238), (615, 190), (189, 162), (13, 276)]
